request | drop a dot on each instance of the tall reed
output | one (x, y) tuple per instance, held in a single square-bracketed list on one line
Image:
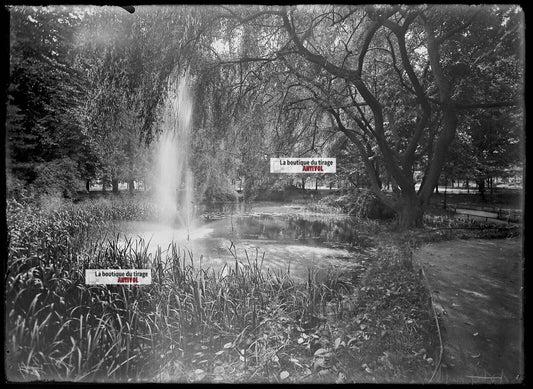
[(59, 328)]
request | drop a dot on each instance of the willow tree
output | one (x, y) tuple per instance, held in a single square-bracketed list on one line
[(395, 80), (128, 60)]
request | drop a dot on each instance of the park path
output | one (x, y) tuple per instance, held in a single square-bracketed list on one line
[(481, 215), (477, 290)]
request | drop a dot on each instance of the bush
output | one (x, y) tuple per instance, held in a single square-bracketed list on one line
[(360, 202), (122, 208), (15, 187), (216, 195), (57, 178)]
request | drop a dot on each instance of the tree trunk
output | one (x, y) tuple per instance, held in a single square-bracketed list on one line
[(481, 188), (131, 186), (378, 178), (88, 185), (410, 212), (444, 204), (114, 183)]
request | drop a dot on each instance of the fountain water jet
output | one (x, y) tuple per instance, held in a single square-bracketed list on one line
[(174, 186)]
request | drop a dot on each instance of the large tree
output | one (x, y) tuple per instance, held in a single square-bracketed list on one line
[(394, 79), (487, 145), (129, 59), (46, 147)]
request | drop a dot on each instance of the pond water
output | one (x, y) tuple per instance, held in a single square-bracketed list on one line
[(276, 236)]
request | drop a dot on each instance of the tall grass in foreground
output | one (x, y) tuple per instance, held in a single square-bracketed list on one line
[(235, 320)]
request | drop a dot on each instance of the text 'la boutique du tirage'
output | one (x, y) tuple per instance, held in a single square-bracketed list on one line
[(303, 165)]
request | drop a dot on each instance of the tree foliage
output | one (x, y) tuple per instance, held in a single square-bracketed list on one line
[(387, 89), (44, 94), (395, 80)]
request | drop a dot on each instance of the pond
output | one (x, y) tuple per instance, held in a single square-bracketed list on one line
[(280, 237)]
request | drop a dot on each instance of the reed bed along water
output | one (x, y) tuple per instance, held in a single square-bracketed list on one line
[(189, 323)]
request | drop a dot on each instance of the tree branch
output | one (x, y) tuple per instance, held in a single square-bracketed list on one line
[(247, 59), (454, 31), (395, 67), (366, 43), (371, 171), (404, 179), (449, 117), (500, 104)]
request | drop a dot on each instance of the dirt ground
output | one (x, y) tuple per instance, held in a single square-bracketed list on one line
[(477, 286)]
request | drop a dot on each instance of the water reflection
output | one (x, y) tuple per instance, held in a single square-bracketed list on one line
[(283, 234), (308, 229)]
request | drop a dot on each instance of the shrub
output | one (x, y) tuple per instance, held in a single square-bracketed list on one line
[(57, 178), (15, 187), (360, 202)]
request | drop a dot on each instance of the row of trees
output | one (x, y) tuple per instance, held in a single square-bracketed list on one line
[(86, 88), (394, 92)]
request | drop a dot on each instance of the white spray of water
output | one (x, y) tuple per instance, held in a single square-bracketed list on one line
[(174, 182)]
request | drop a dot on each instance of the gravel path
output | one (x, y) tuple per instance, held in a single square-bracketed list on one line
[(477, 288)]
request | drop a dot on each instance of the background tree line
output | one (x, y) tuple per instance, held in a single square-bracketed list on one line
[(402, 95)]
